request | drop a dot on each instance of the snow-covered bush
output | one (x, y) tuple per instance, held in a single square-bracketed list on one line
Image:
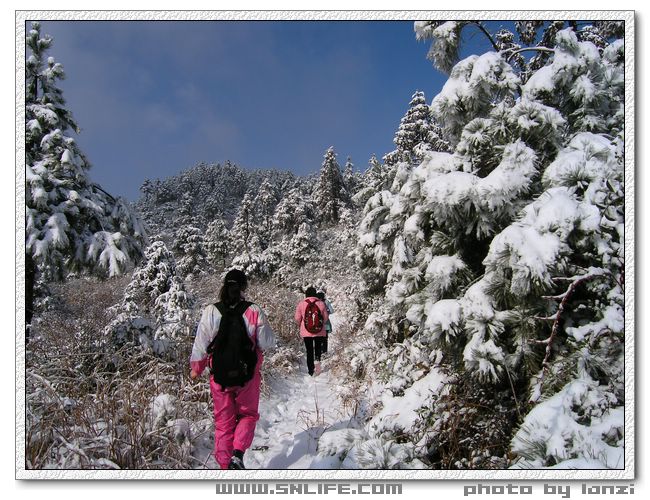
[(156, 307), (89, 402), (339, 442), (73, 324), (163, 409), (380, 454), (104, 420), (583, 422)]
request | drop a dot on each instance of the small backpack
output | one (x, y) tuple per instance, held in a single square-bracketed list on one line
[(233, 353), (313, 317)]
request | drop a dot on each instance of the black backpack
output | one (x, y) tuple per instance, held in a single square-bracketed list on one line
[(233, 353)]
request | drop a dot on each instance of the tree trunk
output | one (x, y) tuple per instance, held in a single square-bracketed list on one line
[(30, 277)]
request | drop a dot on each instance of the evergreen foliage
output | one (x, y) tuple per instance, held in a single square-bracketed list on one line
[(479, 250), (203, 193), (331, 194), (189, 243), (416, 134), (292, 211), (216, 242), (243, 236), (155, 308), (264, 207), (72, 224)]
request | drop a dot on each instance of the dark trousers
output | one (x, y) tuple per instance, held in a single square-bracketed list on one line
[(313, 344)]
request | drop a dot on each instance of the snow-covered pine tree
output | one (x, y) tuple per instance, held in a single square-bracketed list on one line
[(245, 242), (147, 189), (416, 134), (173, 314), (263, 208), (155, 306), (213, 205), (371, 182), (506, 255), (292, 211), (330, 195), (217, 237), (242, 230), (153, 278), (71, 223), (189, 245), (373, 177), (302, 244), (446, 40), (351, 179), (186, 208)]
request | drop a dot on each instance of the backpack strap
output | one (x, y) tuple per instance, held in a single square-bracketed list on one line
[(239, 308), (242, 306)]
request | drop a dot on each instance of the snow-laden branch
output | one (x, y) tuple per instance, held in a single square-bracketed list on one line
[(99, 188), (537, 49), (575, 282), (487, 34)]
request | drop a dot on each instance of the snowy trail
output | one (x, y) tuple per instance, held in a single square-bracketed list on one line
[(298, 411), (293, 420)]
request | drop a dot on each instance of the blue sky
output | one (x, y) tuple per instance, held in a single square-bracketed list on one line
[(154, 98)]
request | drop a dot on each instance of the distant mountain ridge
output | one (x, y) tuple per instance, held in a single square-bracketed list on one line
[(203, 193)]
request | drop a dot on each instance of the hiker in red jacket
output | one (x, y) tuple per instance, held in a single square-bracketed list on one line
[(311, 315)]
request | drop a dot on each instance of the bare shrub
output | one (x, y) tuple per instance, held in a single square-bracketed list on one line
[(89, 405), (113, 425), (74, 322), (279, 304), (206, 289), (347, 344), (470, 426)]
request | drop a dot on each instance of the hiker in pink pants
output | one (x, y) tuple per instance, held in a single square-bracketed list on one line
[(236, 399)]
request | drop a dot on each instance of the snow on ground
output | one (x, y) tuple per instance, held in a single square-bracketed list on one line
[(298, 411)]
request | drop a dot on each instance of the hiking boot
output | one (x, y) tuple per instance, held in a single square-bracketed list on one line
[(236, 463)]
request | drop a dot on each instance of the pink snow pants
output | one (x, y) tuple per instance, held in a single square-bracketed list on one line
[(235, 417)]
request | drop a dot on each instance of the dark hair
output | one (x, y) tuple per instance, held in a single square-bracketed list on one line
[(234, 283), (310, 292), (321, 295)]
